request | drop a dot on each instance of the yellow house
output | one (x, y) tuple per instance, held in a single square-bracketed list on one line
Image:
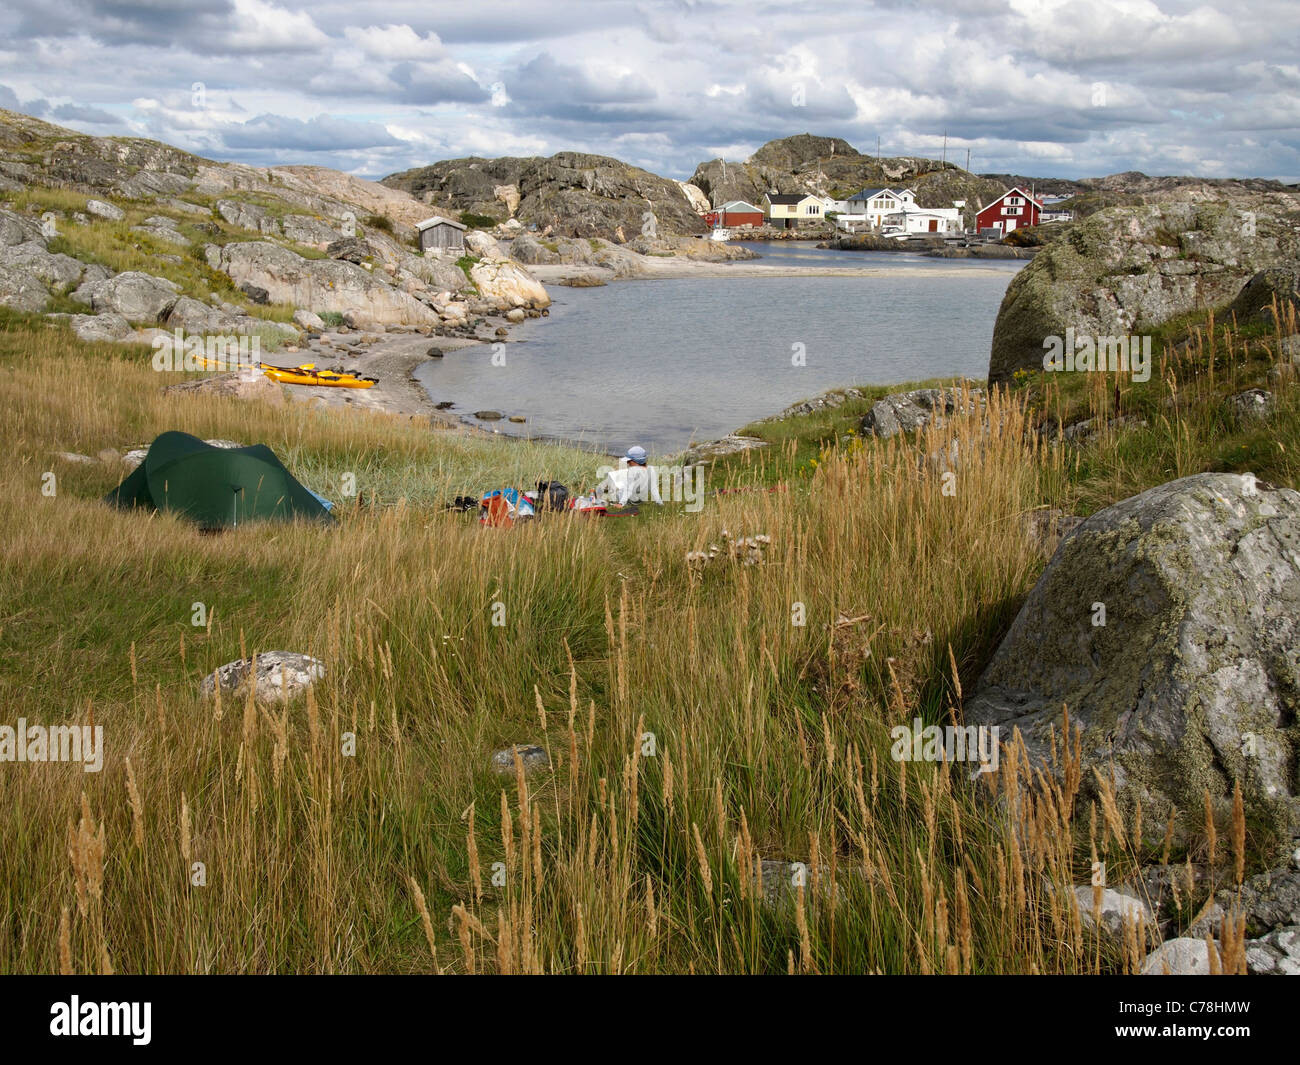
[(793, 209)]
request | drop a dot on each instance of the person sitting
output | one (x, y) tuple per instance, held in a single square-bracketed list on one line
[(635, 482)]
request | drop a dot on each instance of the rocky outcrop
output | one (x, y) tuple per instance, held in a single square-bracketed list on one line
[(248, 216), (319, 284), (1169, 624), (1127, 269), (905, 412), (571, 193), (1278, 285), (506, 284), (29, 271), (100, 327), (108, 211), (1178, 957), (136, 296)]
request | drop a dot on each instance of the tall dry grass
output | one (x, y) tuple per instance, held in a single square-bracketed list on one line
[(721, 796)]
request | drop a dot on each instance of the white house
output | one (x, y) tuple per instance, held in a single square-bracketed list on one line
[(915, 221), (869, 206)]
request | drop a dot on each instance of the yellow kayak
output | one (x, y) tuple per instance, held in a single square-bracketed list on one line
[(307, 374)]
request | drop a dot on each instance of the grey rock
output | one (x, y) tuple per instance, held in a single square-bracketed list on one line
[(1254, 303), (1185, 686), (1116, 908), (534, 758), (1253, 405), (190, 208), (1209, 923), (1125, 269), (488, 415), (51, 269), (248, 216), (713, 450), (22, 290), (160, 220), (16, 229), (318, 284), (164, 233), (108, 211), (147, 184), (1276, 954), (100, 327), (1268, 900), (306, 229), (255, 293), (308, 320), (905, 412), (1178, 957), (279, 676), (136, 296)]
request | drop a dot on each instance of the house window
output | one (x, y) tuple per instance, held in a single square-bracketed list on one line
[(1014, 200), (1011, 212)]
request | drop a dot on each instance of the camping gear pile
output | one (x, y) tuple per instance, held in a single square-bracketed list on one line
[(503, 507)]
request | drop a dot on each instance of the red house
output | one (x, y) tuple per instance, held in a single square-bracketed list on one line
[(1013, 209), (740, 213)]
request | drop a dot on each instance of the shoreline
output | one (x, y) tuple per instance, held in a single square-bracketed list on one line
[(667, 269), (393, 358)]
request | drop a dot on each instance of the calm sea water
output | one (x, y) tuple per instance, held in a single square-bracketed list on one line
[(665, 363)]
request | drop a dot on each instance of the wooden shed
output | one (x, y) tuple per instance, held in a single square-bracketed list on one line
[(441, 236)]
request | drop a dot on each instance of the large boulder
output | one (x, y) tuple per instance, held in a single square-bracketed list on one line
[(1169, 624), (15, 229), (22, 290), (320, 284), (905, 412), (307, 229), (136, 296), (482, 244), (1126, 269), (100, 327), (507, 284), (278, 676), (56, 270), (526, 248), (1254, 303), (248, 216), (108, 211)]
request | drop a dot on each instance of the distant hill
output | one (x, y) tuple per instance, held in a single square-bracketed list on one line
[(829, 166), (574, 194)]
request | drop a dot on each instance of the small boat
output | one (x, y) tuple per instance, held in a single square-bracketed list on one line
[(719, 233), (307, 374)]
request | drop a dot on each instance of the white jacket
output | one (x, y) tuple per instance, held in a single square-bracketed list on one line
[(633, 484)]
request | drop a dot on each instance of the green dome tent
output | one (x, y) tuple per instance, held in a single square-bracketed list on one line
[(218, 488)]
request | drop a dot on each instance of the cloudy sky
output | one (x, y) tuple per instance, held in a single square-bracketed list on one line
[(1068, 88)]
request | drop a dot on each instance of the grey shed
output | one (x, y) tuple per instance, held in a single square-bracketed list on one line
[(441, 235)]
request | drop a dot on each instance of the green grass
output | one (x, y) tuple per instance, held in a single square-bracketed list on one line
[(771, 738)]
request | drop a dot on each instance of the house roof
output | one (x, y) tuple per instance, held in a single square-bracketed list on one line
[(789, 198), (1017, 189), (866, 194), (739, 205), (429, 223)]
